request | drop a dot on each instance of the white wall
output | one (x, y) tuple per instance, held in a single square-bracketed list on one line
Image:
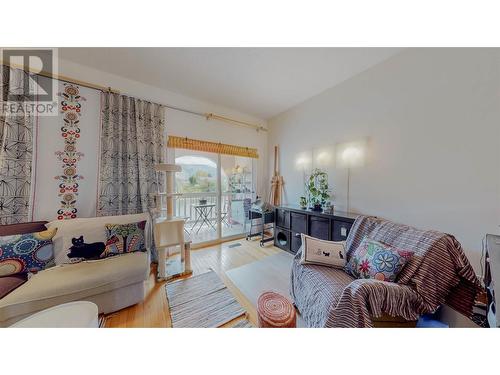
[(433, 120), (181, 123)]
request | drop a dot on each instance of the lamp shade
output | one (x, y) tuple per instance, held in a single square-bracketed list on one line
[(303, 161), (351, 154), (323, 157)]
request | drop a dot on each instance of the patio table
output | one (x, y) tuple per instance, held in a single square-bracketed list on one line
[(204, 211)]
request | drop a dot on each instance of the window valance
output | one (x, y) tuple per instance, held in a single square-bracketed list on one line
[(219, 148)]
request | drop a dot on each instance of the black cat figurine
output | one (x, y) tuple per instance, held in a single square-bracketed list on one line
[(85, 250)]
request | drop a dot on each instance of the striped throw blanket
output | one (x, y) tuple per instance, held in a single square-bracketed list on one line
[(438, 273)]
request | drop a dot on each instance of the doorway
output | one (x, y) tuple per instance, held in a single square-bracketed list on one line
[(216, 192)]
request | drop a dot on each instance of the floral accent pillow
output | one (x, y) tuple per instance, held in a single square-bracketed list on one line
[(124, 238), (375, 260), (23, 253)]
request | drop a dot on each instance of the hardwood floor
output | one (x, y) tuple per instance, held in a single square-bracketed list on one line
[(154, 312)]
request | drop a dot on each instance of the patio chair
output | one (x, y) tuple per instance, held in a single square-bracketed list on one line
[(224, 213)]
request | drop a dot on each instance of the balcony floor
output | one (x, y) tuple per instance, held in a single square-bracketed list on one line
[(207, 233)]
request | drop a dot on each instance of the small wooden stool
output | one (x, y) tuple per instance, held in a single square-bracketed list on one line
[(275, 311)]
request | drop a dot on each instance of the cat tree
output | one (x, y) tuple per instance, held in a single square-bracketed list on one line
[(169, 230), (169, 170)]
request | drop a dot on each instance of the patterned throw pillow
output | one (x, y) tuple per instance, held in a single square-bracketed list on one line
[(21, 253), (375, 260), (322, 252), (124, 238)]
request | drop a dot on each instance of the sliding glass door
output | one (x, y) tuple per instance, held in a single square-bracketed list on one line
[(216, 194), (238, 193)]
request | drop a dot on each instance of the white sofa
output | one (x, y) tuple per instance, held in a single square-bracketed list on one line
[(112, 283)]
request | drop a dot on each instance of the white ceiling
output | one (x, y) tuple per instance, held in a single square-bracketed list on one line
[(258, 81)]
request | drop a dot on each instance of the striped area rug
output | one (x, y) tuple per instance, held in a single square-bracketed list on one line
[(102, 320), (243, 324), (201, 301)]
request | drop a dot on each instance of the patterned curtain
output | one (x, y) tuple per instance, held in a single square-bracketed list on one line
[(132, 142), (16, 148)]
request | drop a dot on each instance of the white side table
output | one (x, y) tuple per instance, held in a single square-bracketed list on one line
[(170, 233), (80, 314)]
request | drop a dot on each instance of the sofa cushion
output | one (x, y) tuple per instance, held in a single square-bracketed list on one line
[(376, 260), (322, 252), (124, 238), (73, 282), (23, 253)]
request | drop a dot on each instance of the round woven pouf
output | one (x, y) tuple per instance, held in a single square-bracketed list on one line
[(275, 311)]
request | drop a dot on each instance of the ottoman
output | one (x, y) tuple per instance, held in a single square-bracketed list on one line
[(275, 311)]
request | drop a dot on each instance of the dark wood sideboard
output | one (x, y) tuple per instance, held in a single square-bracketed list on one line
[(291, 221)]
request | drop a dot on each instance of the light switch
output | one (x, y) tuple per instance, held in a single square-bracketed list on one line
[(343, 232)]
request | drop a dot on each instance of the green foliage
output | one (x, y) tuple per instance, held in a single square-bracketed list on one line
[(317, 187), (201, 173), (303, 202), (203, 186), (199, 182)]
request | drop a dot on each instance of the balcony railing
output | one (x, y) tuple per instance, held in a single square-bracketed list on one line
[(201, 217), (184, 206), (234, 207)]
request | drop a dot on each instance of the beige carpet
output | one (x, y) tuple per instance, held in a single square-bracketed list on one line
[(271, 273), (201, 301)]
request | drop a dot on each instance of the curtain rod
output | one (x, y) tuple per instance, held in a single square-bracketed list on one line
[(62, 78), (213, 116), (208, 116)]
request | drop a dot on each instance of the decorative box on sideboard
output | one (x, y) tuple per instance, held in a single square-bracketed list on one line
[(292, 221)]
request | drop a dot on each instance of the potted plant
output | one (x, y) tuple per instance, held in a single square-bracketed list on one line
[(318, 189), (303, 202)]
